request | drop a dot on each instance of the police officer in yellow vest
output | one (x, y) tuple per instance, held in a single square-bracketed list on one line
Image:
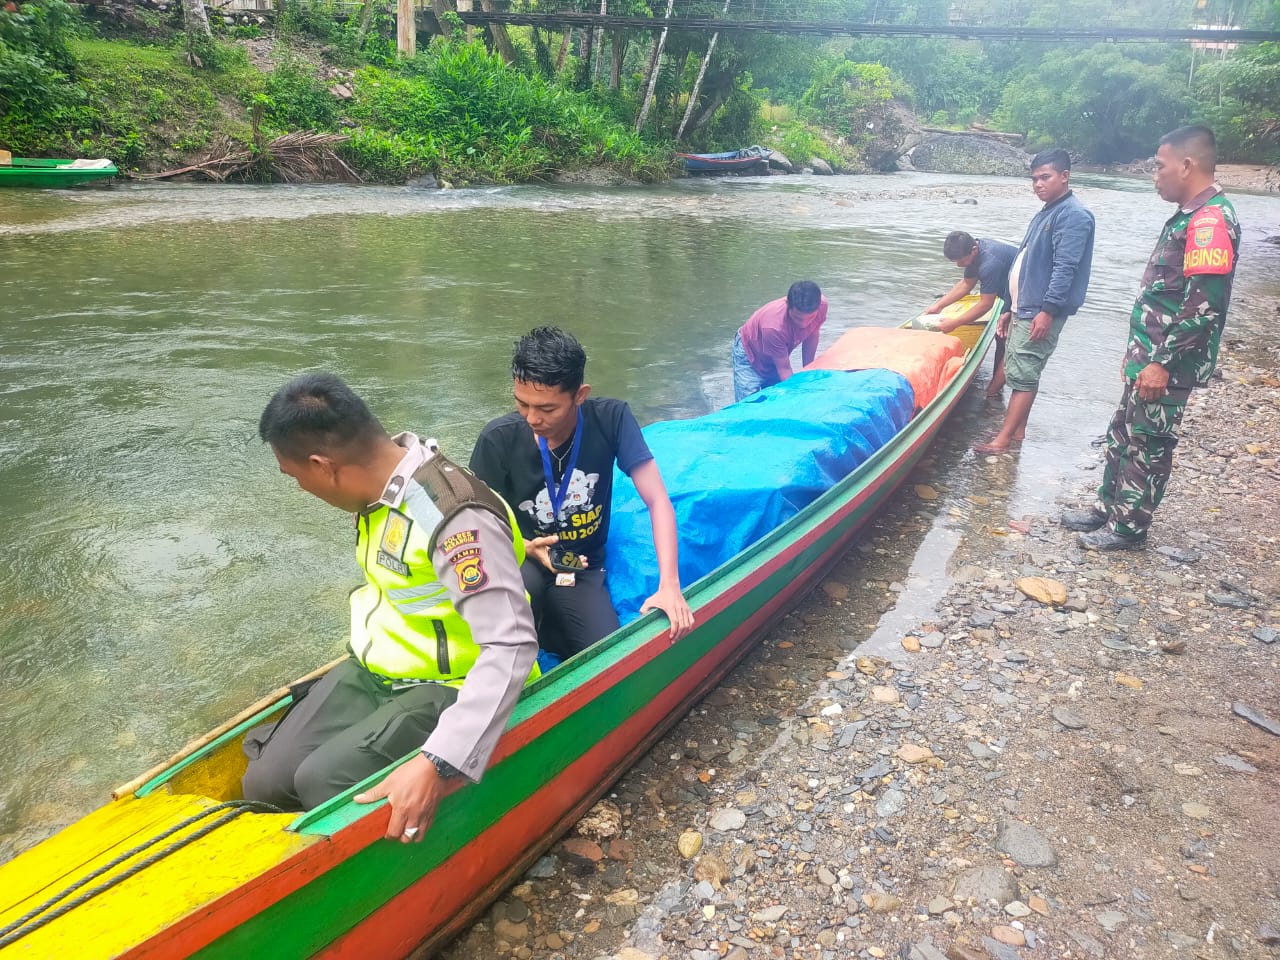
[(442, 638)]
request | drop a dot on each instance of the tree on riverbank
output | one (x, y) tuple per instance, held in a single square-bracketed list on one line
[(1107, 104), (847, 101)]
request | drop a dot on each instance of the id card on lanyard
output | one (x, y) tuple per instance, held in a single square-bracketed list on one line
[(557, 494)]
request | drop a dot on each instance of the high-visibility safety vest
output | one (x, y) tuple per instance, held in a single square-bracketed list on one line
[(403, 624)]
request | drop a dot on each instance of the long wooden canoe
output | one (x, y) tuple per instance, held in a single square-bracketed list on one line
[(729, 161), (40, 173), (177, 866)]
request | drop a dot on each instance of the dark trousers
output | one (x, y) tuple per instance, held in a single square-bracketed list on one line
[(1140, 444), (346, 728), (569, 619)]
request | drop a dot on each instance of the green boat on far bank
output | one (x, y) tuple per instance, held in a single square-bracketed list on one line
[(45, 173)]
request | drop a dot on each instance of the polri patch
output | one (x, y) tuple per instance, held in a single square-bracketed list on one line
[(395, 539), (469, 566), (459, 539), (394, 564)]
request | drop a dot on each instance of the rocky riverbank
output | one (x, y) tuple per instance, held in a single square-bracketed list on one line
[(1070, 755), (1254, 177)]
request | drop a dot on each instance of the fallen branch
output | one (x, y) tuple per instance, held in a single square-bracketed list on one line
[(301, 157)]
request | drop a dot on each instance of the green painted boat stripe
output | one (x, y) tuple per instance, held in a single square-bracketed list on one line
[(323, 910)]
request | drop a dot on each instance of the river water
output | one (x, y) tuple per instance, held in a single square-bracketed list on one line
[(161, 573)]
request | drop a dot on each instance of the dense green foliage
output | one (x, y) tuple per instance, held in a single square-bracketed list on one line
[(456, 110), (1106, 103), (34, 59), (1242, 101), (293, 98), (131, 102), (459, 111)]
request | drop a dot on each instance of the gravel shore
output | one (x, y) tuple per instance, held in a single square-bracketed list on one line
[(1064, 755)]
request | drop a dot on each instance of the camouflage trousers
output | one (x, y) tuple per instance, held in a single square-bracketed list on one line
[(1140, 444)]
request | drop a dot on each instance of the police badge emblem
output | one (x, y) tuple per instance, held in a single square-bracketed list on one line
[(469, 567), (395, 539)]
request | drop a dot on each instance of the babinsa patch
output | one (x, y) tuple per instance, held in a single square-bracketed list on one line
[(395, 538), (1208, 249), (469, 566)]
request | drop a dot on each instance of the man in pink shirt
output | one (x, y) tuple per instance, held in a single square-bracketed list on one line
[(762, 347)]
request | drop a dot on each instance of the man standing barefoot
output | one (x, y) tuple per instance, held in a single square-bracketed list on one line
[(1047, 285)]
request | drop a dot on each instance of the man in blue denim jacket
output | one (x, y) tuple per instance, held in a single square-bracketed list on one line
[(1047, 284)]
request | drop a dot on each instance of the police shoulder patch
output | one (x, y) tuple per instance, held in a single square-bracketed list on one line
[(468, 565), (460, 539), (1208, 249)]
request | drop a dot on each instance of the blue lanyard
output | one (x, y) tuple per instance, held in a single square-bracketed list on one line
[(557, 494)]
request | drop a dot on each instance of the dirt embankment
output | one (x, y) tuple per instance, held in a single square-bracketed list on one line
[(1249, 176), (1088, 778), (1254, 177)]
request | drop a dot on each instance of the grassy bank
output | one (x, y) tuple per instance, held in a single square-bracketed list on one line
[(455, 111), (142, 106)]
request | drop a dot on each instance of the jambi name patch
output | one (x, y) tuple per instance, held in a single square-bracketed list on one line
[(1208, 249), (469, 566), (459, 539)]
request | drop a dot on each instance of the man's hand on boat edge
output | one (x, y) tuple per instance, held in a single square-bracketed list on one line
[(413, 791), (671, 601)]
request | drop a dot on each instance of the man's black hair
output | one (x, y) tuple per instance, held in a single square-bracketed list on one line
[(551, 357), (958, 244), (1197, 142), (804, 296), (1057, 158), (317, 413)]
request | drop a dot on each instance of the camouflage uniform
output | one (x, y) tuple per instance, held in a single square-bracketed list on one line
[(1176, 322)]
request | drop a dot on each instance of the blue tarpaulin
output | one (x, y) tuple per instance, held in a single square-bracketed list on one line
[(738, 473)]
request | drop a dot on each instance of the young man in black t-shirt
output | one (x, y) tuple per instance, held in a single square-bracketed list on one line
[(552, 461)]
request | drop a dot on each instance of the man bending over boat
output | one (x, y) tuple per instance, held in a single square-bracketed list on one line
[(763, 345), (986, 265), (442, 639), (552, 459)]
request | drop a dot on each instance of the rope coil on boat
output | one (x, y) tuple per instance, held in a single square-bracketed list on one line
[(227, 810)]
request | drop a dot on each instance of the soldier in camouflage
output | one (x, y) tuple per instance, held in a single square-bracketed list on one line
[(1174, 332)]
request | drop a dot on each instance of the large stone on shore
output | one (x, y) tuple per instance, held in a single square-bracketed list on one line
[(1043, 590), (988, 882), (1025, 844), (821, 167), (595, 177), (689, 844), (601, 822), (727, 818), (969, 153), (778, 160)]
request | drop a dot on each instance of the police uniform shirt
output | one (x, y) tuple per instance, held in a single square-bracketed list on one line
[(475, 562)]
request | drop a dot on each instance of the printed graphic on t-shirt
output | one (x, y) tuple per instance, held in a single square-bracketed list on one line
[(580, 516)]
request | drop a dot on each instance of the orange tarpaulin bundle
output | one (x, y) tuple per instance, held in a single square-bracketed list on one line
[(928, 360)]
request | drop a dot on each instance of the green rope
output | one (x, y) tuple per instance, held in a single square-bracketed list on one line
[(229, 810)]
